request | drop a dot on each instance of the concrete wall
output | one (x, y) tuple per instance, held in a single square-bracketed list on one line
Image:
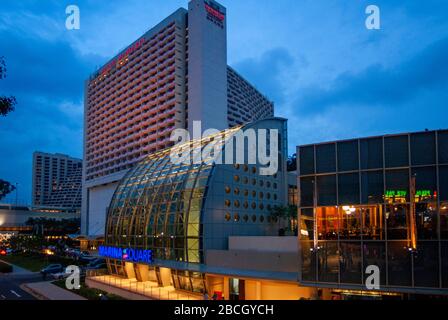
[(207, 68), (253, 260), (266, 244), (99, 200)]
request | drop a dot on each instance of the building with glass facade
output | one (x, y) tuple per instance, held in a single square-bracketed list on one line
[(188, 214), (174, 74), (379, 201)]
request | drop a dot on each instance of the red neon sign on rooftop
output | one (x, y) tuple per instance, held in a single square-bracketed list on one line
[(214, 12)]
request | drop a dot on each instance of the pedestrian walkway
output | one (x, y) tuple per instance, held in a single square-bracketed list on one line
[(46, 290)]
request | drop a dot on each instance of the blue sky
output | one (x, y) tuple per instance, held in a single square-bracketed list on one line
[(325, 71)]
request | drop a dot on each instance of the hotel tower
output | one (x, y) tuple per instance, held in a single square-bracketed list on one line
[(174, 74)]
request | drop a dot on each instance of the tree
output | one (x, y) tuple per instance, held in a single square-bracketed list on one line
[(291, 163), (6, 103), (285, 213), (5, 188)]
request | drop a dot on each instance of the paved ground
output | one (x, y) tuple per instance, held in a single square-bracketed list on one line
[(10, 286), (51, 292)]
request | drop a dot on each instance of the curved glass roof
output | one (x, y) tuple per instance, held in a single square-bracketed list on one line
[(158, 205)]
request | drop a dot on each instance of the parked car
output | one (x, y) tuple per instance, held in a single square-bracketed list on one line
[(95, 262), (51, 269), (60, 275)]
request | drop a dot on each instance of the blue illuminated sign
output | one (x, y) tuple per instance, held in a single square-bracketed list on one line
[(128, 254)]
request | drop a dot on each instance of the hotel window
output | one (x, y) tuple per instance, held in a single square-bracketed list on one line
[(372, 187), (373, 221), (443, 183), (397, 186), (227, 216), (348, 156), (307, 224), (399, 264), (246, 218), (236, 217), (397, 221), (327, 220), (374, 253), (396, 151), (350, 262), (254, 170), (306, 158), (423, 148), (254, 218), (227, 190), (442, 139), (444, 220), (236, 178), (350, 223), (326, 190), (426, 264), (236, 191), (326, 158), (306, 191), (328, 261), (348, 188)]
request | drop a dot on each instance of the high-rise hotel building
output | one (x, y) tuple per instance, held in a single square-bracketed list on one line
[(174, 74), (56, 181)]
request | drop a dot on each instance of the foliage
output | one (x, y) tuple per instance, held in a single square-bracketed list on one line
[(291, 163), (285, 213), (88, 293), (5, 188), (6, 103)]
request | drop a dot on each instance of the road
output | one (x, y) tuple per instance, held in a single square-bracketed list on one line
[(10, 286)]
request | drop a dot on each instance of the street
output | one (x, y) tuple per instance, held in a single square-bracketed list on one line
[(10, 286)]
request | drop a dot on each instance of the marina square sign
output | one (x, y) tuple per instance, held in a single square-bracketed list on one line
[(127, 254)]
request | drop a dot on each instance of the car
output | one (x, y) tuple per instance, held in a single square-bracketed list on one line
[(60, 275), (95, 262), (52, 268)]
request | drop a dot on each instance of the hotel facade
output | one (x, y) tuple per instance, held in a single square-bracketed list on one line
[(56, 182), (174, 74), (380, 201)]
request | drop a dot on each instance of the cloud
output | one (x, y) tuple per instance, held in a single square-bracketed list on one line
[(266, 72), (380, 86)]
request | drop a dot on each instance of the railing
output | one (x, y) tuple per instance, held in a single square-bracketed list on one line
[(149, 289)]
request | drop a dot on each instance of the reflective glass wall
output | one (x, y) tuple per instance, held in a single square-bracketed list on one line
[(376, 201)]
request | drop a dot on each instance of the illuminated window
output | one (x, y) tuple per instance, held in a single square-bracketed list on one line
[(236, 178), (227, 202), (227, 217), (236, 217), (227, 190), (246, 168), (236, 166), (246, 192), (236, 203), (254, 170), (236, 191), (246, 204), (254, 205)]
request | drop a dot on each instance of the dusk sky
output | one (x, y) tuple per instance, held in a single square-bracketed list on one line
[(329, 75)]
